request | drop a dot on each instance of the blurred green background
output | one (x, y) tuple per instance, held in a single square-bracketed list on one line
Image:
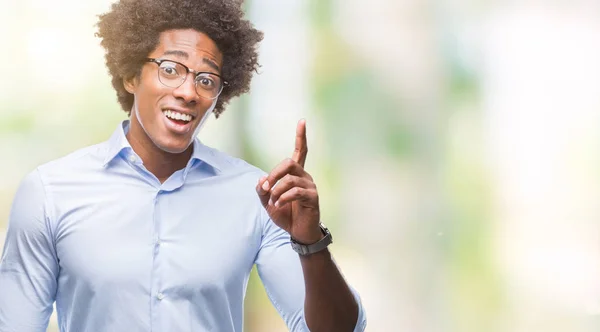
[(455, 144)]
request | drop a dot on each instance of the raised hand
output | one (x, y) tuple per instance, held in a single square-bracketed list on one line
[(290, 196)]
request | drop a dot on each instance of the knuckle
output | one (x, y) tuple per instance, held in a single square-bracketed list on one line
[(289, 179)]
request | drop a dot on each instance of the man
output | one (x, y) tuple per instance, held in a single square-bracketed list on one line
[(153, 231)]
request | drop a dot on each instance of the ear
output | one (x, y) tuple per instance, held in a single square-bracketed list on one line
[(130, 83)]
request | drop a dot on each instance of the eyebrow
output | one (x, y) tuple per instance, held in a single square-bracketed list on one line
[(185, 55)]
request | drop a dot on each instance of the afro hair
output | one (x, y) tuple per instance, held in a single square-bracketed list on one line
[(131, 29)]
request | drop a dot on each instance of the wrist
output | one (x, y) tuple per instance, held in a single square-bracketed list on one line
[(316, 244), (308, 238)]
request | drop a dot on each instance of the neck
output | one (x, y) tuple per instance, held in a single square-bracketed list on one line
[(158, 162)]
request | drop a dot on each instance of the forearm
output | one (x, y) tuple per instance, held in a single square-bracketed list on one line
[(329, 304)]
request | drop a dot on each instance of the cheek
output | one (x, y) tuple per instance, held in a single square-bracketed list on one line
[(148, 96)]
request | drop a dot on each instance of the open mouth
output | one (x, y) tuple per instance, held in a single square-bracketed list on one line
[(178, 118)]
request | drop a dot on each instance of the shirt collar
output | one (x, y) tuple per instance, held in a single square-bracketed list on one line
[(207, 155), (118, 142)]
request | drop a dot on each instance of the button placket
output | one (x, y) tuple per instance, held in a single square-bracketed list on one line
[(156, 275)]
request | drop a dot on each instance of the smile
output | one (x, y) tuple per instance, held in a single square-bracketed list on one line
[(173, 115)]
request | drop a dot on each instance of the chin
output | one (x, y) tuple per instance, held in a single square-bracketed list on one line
[(174, 146), (175, 149)]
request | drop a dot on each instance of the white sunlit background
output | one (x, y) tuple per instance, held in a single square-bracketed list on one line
[(456, 144)]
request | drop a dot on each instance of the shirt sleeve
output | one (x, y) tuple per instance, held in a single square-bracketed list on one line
[(28, 266), (281, 273)]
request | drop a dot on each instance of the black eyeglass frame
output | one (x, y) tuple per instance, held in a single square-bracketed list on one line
[(194, 72)]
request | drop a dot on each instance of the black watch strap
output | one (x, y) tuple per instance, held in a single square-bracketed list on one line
[(307, 249)]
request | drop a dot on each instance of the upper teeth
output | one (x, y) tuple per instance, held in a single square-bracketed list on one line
[(178, 116)]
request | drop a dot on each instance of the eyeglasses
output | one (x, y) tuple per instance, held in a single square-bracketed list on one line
[(173, 74)]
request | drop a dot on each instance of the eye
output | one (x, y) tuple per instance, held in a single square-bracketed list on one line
[(205, 81), (169, 69)]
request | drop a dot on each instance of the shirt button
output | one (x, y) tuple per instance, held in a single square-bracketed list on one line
[(132, 158), (160, 296), (158, 243)]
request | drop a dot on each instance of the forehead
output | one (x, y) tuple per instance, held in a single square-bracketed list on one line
[(196, 44)]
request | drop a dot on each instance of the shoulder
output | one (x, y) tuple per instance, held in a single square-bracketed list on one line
[(36, 180), (29, 206), (37, 186), (87, 158), (235, 178), (229, 165)]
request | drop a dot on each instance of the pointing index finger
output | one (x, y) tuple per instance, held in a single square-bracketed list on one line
[(301, 148)]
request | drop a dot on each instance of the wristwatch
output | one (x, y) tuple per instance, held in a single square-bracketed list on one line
[(307, 249)]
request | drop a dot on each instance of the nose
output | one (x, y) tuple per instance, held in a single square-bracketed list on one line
[(187, 90)]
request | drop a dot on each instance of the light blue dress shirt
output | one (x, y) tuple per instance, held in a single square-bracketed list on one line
[(119, 251)]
